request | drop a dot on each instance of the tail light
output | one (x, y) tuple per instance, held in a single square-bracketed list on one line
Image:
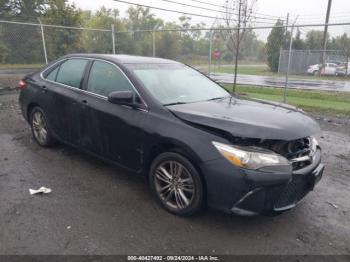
[(21, 84)]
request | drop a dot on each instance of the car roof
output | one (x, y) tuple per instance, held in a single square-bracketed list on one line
[(126, 59)]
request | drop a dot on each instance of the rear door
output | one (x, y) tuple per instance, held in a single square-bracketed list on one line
[(112, 131), (63, 84)]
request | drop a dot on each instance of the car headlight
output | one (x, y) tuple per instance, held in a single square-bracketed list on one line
[(250, 158)]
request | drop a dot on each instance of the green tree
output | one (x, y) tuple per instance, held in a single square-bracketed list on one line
[(193, 42), (344, 42), (249, 49), (275, 42), (62, 41), (21, 43), (298, 43), (314, 40), (28, 9), (168, 44), (4, 8), (139, 18), (101, 41)]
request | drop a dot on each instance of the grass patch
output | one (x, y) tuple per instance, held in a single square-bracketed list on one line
[(327, 103), (19, 66)]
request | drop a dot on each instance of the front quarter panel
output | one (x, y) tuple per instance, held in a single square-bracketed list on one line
[(167, 129)]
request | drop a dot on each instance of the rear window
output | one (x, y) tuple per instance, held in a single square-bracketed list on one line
[(71, 72), (53, 74)]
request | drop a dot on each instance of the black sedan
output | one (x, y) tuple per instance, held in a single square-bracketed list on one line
[(196, 143)]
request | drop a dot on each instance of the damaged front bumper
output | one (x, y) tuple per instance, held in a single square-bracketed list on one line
[(248, 192), (275, 199)]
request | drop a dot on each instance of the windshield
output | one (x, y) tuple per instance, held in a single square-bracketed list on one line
[(176, 83)]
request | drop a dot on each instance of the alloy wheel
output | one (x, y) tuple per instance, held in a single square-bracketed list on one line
[(174, 185), (39, 127)]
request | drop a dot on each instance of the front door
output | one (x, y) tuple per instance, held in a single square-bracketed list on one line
[(112, 131)]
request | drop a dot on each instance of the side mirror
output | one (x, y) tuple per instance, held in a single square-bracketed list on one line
[(121, 98)]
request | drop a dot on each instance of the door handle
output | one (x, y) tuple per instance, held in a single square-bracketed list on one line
[(43, 87), (84, 101)]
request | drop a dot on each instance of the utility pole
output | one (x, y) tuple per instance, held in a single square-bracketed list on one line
[(153, 43), (210, 50), (113, 38), (323, 55), (286, 36), (154, 39), (283, 45), (289, 60), (237, 45), (43, 39), (211, 34), (287, 21)]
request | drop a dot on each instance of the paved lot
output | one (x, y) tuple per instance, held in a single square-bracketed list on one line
[(95, 208)]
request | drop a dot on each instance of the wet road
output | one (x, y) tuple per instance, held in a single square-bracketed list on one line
[(310, 84), (95, 208)]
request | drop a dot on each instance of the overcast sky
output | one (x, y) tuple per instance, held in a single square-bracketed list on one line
[(309, 11)]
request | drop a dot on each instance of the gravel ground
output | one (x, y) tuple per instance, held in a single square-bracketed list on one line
[(95, 208)]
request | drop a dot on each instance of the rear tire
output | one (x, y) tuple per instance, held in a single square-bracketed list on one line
[(176, 184), (40, 129)]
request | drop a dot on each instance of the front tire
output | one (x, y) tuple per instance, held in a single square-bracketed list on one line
[(40, 129), (176, 184)]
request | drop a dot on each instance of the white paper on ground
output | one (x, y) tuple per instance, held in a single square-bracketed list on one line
[(42, 189)]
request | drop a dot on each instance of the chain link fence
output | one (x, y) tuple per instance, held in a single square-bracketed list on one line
[(301, 60), (212, 51), (21, 44), (29, 43)]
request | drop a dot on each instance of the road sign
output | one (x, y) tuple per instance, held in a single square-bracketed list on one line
[(216, 54)]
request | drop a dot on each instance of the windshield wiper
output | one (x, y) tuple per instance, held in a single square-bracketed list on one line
[(174, 103), (217, 98)]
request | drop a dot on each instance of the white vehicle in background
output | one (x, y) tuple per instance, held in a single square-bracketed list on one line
[(330, 69), (341, 71)]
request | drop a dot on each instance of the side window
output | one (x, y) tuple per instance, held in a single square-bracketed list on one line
[(106, 78), (71, 72), (53, 74)]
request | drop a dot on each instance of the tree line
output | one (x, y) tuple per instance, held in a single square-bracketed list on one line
[(279, 38), (23, 44)]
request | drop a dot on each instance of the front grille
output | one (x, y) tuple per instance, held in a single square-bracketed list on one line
[(299, 151), (293, 192)]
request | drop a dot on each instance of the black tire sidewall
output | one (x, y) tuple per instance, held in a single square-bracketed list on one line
[(49, 140), (197, 202)]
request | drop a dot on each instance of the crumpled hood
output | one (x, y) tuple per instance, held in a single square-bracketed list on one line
[(249, 118)]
